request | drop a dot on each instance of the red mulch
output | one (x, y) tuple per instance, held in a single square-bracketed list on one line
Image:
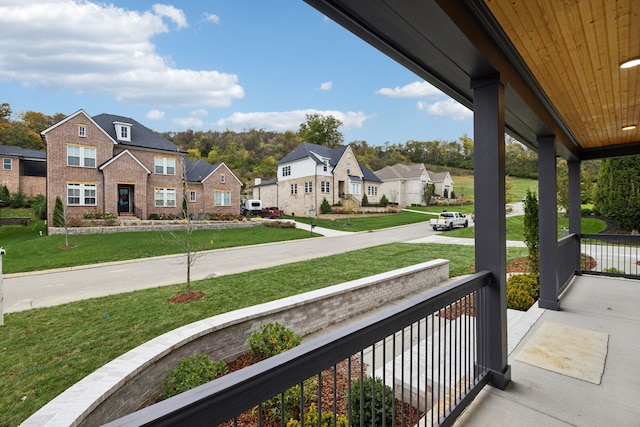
[(250, 418), (186, 297)]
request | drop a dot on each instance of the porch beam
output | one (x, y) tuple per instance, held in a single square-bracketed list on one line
[(490, 234), (548, 222)]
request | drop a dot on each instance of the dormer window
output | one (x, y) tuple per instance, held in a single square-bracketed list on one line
[(123, 131)]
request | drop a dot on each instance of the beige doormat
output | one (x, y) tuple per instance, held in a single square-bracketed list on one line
[(574, 352)]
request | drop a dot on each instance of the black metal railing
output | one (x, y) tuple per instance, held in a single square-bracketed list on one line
[(422, 358), (611, 255), (568, 260)]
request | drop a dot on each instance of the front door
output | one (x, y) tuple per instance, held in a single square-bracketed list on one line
[(123, 200)]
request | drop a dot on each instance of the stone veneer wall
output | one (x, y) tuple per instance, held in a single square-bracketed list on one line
[(154, 226), (134, 380)]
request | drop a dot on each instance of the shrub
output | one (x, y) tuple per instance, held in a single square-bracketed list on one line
[(522, 291), (39, 206), (154, 217), (192, 372), (271, 409), (365, 200), (384, 201), (445, 194), (19, 200), (58, 213), (612, 270), (453, 194), (519, 299), (279, 224), (325, 207), (311, 419), (5, 196), (271, 339), (586, 212), (383, 406)]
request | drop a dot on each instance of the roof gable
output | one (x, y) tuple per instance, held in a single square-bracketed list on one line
[(400, 171), (141, 136), (121, 154), (316, 152), (367, 175), (201, 170)]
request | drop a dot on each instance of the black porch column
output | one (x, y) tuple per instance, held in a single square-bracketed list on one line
[(490, 230), (548, 223), (574, 207)]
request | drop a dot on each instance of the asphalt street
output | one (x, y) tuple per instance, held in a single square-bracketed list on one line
[(54, 287)]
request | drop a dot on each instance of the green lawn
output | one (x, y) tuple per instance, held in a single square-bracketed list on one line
[(363, 222), (515, 228), (27, 250), (45, 351)]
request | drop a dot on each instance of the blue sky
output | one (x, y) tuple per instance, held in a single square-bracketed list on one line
[(213, 65)]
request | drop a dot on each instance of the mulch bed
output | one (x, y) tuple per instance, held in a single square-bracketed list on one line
[(186, 297), (342, 380)]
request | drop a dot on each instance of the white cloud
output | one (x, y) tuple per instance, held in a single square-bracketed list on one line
[(200, 112), (176, 15), (155, 115), (82, 46), (210, 17), (188, 122), (326, 86), (449, 109), (412, 90), (286, 120)]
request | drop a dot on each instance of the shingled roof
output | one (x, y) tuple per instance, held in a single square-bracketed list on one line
[(315, 152), (10, 150), (367, 175), (141, 136)]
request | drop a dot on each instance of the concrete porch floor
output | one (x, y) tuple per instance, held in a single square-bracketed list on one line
[(538, 397)]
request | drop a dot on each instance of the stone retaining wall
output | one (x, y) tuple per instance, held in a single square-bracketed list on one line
[(134, 380), (155, 226)]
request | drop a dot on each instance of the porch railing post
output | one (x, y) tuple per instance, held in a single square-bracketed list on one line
[(574, 209), (490, 233)]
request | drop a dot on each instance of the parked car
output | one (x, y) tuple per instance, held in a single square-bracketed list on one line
[(272, 212), (449, 220)]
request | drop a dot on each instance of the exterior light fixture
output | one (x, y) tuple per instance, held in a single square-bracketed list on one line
[(630, 63), (629, 127)]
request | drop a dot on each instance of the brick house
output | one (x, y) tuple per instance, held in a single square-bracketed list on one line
[(212, 188), (24, 170), (110, 163), (311, 173)]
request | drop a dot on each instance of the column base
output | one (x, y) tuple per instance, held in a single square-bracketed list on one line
[(549, 304), (500, 379)]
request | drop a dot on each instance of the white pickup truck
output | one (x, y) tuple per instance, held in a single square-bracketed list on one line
[(448, 220)]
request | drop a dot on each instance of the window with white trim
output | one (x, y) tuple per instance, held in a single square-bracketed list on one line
[(222, 198), (192, 196), (79, 155), (348, 168), (223, 179), (165, 197), (308, 187), (165, 165), (324, 186), (7, 163), (294, 188), (82, 131), (326, 166), (81, 194), (286, 170), (123, 131), (372, 190), (355, 188)]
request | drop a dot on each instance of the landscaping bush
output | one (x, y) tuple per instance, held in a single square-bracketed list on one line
[(271, 339), (383, 406), (154, 217), (5, 196), (519, 299), (522, 291), (272, 408), (325, 207), (279, 224), (39, 206), (586, 212), (311, 419), (384, 201), (19, 200), (365, 200), (58, 213), (612, 270), (192, 372)]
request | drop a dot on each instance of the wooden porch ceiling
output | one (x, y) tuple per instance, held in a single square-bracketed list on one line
[(559, 60)]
